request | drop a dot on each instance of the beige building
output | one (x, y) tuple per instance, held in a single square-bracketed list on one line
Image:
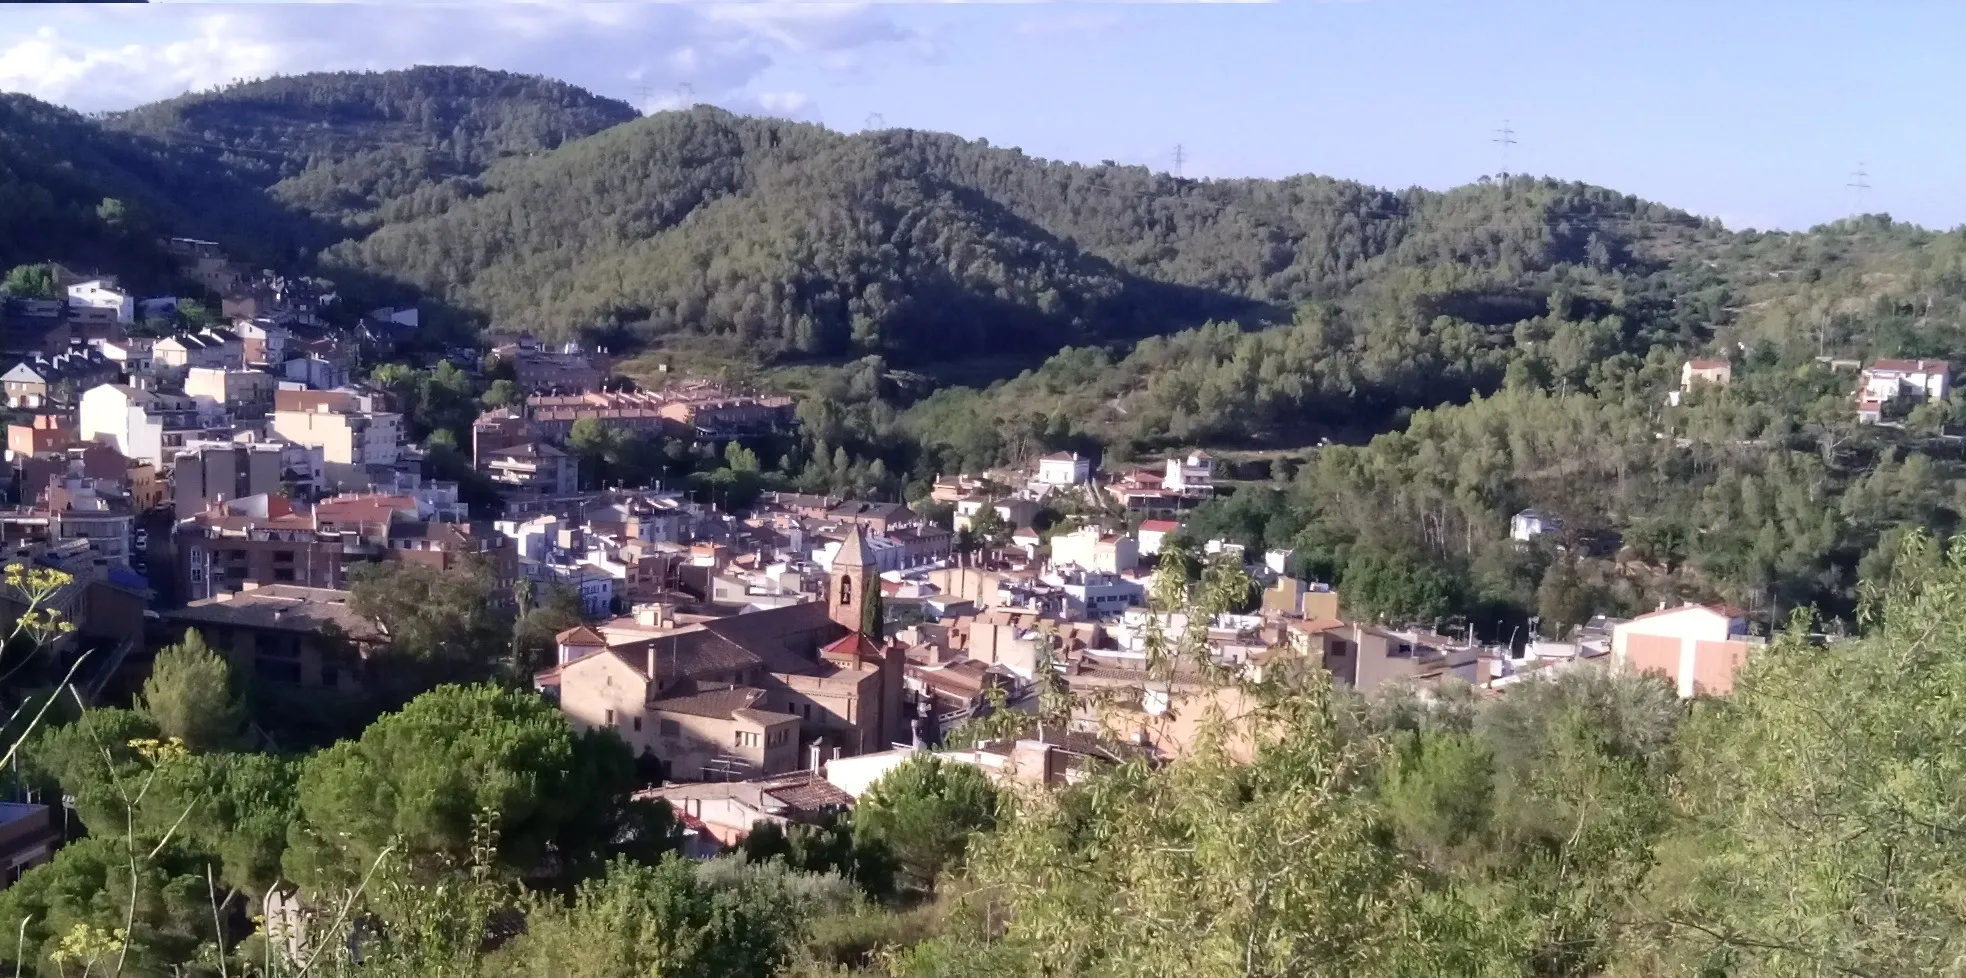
[(732, 698), (345, 425), (229, 393), (1096, 550), (1697, 647)]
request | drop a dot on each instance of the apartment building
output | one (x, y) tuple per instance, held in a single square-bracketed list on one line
[(143, 425), (531, 467), (350, 427), (259, 540), (229, 394), (286, 634)]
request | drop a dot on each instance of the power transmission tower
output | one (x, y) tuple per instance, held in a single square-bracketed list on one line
[(1180, 157), (686, 93), (875, 120), (1505, 138), (1859, 182)]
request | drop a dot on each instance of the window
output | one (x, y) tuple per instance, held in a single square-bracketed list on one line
[(283, 556), (746, 738), (610, 718), (283, 574), (638, 724), (846, 590), (671, 728)]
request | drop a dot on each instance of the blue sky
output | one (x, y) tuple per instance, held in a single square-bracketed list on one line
[(1753, 112)]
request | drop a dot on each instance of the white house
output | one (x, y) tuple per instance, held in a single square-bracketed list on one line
[(1096, 550), (135, 422), (1887, 380), (1190, 476), (1153, 533), (1064, 469), (1090, 594), (1532, 523), (100, 294)]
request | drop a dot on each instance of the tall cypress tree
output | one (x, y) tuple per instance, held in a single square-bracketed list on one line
[(873, 611)]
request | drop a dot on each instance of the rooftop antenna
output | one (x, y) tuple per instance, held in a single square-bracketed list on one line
[(1180, 157), (1505, 138), (1860, 182)]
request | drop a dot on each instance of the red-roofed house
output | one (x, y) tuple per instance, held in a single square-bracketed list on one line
[(1153, 532)]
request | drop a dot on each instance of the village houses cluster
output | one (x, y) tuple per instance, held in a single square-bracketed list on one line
[(770, 663)]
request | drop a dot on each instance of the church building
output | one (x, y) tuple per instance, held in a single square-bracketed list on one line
[(744, 696)]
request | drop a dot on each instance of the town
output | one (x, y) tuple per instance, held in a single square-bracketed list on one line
[(768, 662)]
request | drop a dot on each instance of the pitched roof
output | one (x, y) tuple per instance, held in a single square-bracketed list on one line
[(716, 704), (1723, 611), (1159, 526), (860, 507), (285, 607), (1708, 364), (853, 550), (855, 644), (581, 637)]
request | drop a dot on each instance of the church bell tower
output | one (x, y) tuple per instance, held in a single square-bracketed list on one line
[(853, 573)]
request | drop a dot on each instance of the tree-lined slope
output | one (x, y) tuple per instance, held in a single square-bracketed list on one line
[(357, 148)]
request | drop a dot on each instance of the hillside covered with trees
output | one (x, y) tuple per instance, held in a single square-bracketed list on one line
[(357, 148)]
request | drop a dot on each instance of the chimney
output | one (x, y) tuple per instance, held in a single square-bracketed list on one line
[(817, 756), (651, 661)]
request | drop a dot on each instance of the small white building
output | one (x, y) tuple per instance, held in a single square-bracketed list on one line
[(1064, 469), (1532, 523), (1887, 380), (1093, 549), (1153, 533), (1090, 594), (101, 294), (1193, 475)]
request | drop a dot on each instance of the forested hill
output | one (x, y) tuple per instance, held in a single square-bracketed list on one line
[(799, 240), (357, 147), (73, 191)]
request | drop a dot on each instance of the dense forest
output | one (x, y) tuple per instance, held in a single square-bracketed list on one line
[(357, 148)]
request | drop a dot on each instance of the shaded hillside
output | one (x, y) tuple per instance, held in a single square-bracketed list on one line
[(360, 147), (74, 192), (788, 237), (797, 240)]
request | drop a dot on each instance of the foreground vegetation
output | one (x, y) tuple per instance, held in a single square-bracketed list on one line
[(1591, 825)]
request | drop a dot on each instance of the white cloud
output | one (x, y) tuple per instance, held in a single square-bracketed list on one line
[(783, 103), (656, 55)]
